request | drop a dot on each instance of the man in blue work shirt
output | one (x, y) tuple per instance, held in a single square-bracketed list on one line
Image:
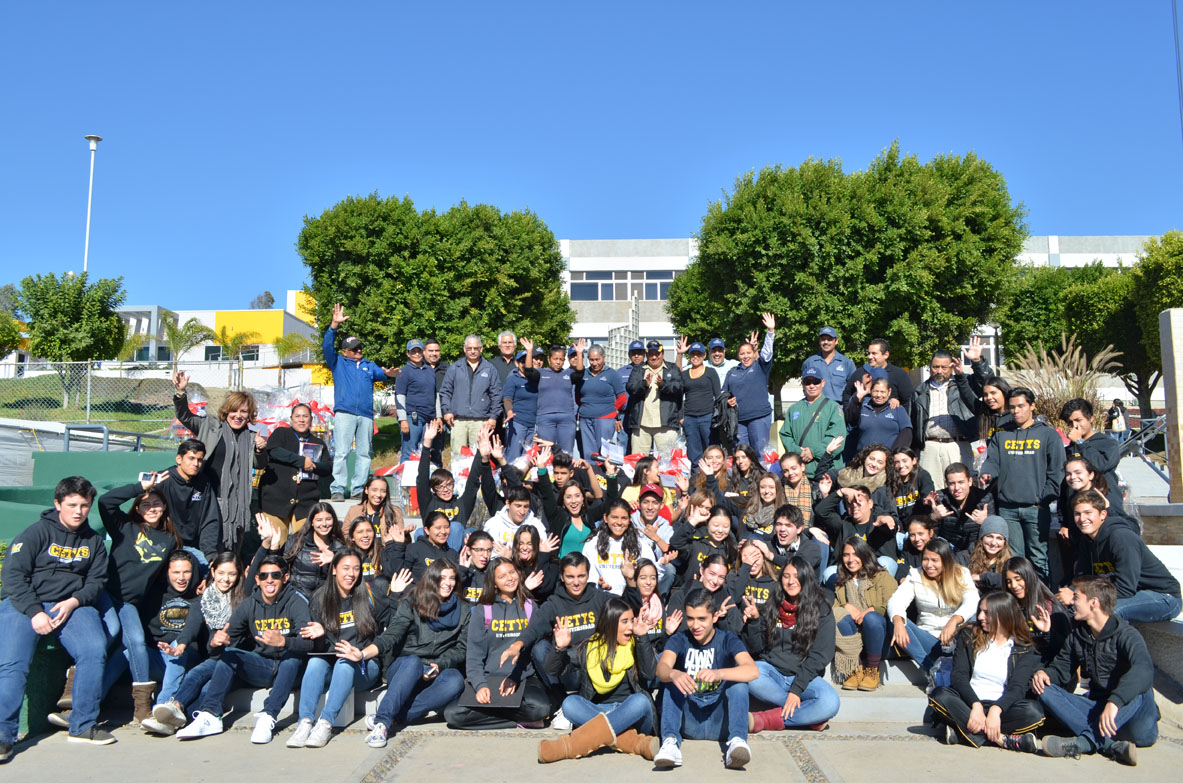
[(353, 405), (415, 399), (836, 369)]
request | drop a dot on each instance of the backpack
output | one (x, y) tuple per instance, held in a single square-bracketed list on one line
[(725, 422), (489, 613)]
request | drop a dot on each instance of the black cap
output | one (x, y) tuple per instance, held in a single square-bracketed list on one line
[(350, 344), (653, 345)]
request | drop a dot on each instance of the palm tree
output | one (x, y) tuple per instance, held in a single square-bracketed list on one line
[(132, 342), (233, 344), (290, 345), (184, 337)]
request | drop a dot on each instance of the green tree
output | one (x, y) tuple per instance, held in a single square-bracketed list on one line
[(402, 273), (1158, 286), (8, 299), (10, 334), (132, 342), (70, 320), (1034, 311), (263, 301), (181, 338), (917, 253)]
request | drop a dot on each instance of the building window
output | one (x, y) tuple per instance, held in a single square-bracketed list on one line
[(213, 353), (666, 275), (577, 275), (141, 354), (606, 292), (665, 291), (163, 354), (598, 275), (651, 291), (250, 353), (585, 292), (621, 275)]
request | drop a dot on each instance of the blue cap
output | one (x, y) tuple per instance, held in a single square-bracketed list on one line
[(539, 353), (571, 351), (876, 372), (636, 345), (716, 342), (697, 348), (813, 370), (827, 331), (414, 345), (521, 356), (653, 345)]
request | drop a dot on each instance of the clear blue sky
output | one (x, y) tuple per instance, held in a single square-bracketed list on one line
[(226, 123)]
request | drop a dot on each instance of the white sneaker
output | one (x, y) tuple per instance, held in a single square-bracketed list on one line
[(670, 754), (738, 754), (377, 737), (264, 728), (203, 725), (560, 723), (371, 722), (299, 737), (153, 726), (170, 714), (321, 733)]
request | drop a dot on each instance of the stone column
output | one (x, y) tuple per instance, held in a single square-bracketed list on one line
[(1170, 330)]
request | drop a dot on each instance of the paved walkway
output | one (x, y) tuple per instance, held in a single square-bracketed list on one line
[(885, 753)]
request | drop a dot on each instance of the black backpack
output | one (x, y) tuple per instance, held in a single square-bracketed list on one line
[(725, 422)]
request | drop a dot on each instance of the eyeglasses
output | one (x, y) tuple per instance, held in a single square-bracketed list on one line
[(447, 485), (267, 575), (482, 551)]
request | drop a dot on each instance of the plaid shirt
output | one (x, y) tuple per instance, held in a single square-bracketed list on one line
[(801, 497)]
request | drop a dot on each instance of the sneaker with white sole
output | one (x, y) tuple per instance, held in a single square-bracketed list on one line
[(738, 754), (93, 736), (264, 729), (153, 726), (60, 719), (371, 722), (560, 722), (321, 733), (170, 714), (670, 754), (203, 725), (377, 737), (299, 737)]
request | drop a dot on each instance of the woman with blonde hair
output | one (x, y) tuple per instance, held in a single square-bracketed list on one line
[(944, 595)]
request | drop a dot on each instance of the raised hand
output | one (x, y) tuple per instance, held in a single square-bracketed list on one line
[(754, 339), (769, 321), (835, 444), (562, 633), (180, 381), (549, 544), (497, 448), (825, 484), (974, 351), (430, 431), (401, 581), (1041, 619), (683, 345), (725, 607), (542, 457), (339, 316), (534, 580), (528, 347), (673, 621), (396, 532), (861, 390), (581, 346)]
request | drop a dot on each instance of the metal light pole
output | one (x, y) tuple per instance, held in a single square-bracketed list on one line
[(94, 145)]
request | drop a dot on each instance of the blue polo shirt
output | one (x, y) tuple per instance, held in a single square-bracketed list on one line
[(416, 389), (523, 396), (596, 394), (835, 373), (881, 426), (556, 391)]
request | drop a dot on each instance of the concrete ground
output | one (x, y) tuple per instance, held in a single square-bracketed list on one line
[(884, 752)]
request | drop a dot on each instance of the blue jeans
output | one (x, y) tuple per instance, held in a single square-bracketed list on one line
[(873, 630), (697, 431), (819, 701), (192, 685), (256, 671), (413, 442), (1029, 529), (1146, 606), (592, 431), (1081, 715), (558, 428), (634, 712), (722, 717), (122, 622), (923, 647), (168, 671), (755, 433), (408, 697), (520, 435), (351, 433), (85, 641), (340, 676)]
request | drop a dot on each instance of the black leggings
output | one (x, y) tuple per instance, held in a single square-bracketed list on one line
[(1024, 716), (535, 706)]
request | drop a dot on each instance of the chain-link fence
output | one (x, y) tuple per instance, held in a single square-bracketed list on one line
[(129, 396)]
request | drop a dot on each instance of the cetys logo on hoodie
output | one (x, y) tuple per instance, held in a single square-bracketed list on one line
[(68, 554)]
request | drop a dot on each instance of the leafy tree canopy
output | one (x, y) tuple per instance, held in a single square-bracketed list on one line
[(71, 320)]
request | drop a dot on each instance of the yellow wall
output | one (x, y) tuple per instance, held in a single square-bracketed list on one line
[(268, 324), (305, 308)]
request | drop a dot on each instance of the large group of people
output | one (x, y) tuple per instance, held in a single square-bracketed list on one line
[(627, 605)]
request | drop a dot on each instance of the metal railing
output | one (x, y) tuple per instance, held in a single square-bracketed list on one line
[(1135, 445)]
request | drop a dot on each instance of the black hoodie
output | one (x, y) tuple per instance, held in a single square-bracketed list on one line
[(171, 616), (48, 563), (1119, 551), (1116, 662), (193, 508), (1027, 465), (287, 615), (138, 552)]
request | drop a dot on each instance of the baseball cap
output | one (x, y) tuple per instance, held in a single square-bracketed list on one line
[(414, 345), (876, 372), (539, 353), (697, 348), (520, 357), (827, 331), (812, 370), (716, 342), (636, 345), (350, 344), (651, 489), (653, 345), (571, 352)]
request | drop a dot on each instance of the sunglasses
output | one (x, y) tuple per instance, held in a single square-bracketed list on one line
[(266, 575), (810, 381)]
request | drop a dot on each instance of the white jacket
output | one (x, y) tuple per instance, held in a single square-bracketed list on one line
[(502, 528), (608, 569), (934, 613)]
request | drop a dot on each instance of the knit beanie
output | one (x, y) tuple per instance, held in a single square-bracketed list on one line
[(994, 524)]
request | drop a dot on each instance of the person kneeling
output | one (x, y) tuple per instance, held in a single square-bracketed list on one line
[(612, 706), (704, 673), (1113, 658), (992, 668)]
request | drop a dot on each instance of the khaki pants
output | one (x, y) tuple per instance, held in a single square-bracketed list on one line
[(935, 457), (288, 526), (646, 439), (464, 433)]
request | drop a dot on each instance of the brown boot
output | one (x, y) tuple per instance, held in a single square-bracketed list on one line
[(591, 736), (66, 702), (851, 682), (765, 720), (869, 680), (141, 699), (637, 744)]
